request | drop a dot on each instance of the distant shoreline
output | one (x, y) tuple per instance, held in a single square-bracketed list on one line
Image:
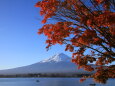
[(50, 75)]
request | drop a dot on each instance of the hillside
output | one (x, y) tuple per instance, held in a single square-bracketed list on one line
[(59, 63)]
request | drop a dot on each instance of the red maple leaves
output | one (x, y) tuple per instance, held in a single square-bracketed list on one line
[(87, 29)]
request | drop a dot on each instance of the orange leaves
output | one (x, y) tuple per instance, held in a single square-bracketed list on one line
[(112, 30), (89, 32), (103, 73), (40, 31), (100, 61), (88, 68), (82, 27), (74, 60), (44, 21), (69, 47), (111, 71), (48, 8), (80, 61), (38, 4), (105, 3), (81, 80), (87, 37), (56, 32), (97, 41), (48, 41), (107, 18), (98, 1), (101, 76), (90, 59)]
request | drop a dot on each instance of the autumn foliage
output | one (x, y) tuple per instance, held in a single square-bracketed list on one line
[(87, 28)]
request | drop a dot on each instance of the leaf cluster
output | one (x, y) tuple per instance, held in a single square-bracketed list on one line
[(83, 25)]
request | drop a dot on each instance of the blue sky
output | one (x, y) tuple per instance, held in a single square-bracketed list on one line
[(19, 43)]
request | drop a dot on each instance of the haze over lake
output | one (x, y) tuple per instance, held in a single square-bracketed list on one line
[(53, 65), (49, 82)]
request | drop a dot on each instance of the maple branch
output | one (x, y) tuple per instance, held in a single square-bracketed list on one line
[(86, 46), (87, 7)]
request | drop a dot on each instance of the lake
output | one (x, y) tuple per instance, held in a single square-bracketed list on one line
[(50, 82)]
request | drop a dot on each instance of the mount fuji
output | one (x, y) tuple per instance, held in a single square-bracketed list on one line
[(59, 63)]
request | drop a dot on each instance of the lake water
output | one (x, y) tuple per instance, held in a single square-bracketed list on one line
[(50, 82)]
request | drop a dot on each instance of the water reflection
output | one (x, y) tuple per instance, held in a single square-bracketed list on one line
[(49, 82)]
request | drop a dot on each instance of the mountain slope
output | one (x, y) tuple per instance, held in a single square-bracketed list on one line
[(59, 63), (58, 58)]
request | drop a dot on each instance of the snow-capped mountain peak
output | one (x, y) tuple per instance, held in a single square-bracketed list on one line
[(59, 63), (57, 58)]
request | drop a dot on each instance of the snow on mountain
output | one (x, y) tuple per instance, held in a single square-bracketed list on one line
[(59, 63), (57, 58)]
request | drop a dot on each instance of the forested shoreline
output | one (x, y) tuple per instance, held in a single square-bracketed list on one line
[(43, 75)]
